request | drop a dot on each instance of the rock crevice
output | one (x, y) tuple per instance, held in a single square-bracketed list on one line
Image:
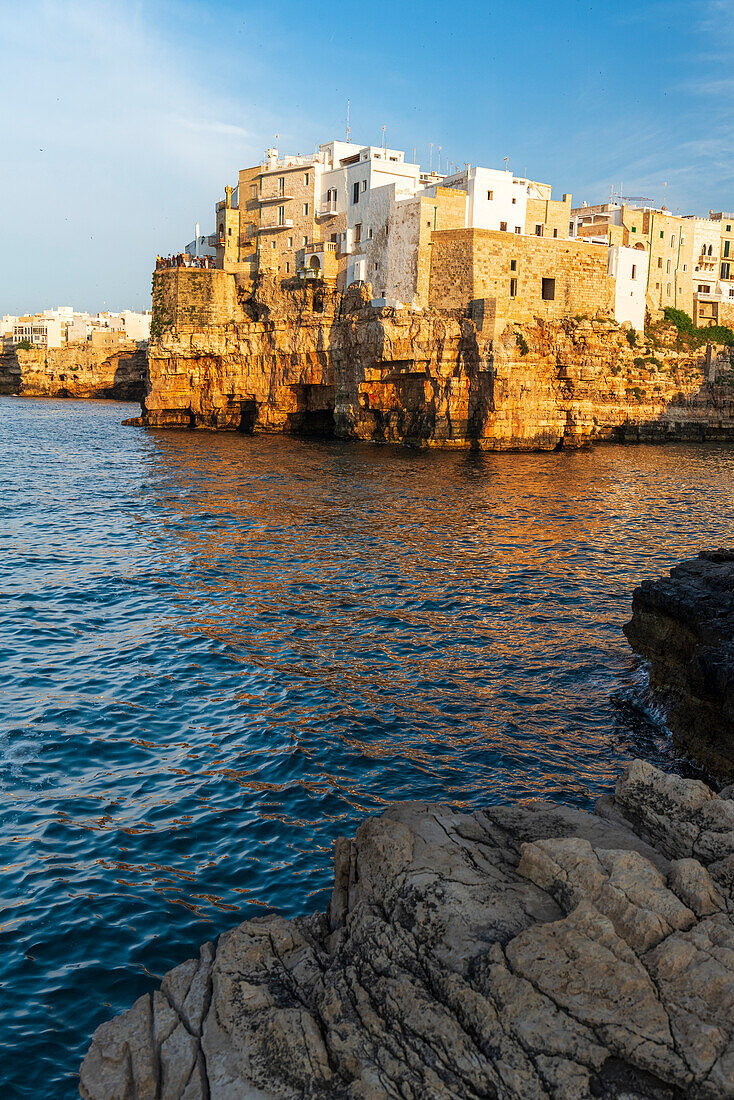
[(517, 952)]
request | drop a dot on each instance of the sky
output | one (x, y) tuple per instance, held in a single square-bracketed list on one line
[(123, 121)]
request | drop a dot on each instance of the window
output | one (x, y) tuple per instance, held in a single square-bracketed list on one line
[(725, 268), (305, 179), (668, 289), (555, 232), (660, 261), (375, 267), (726, 247), (358, 233), (272, 245), (634, 228), (364, 185), (503, 227), (287, 268), (355, 192), (229, 231), (290, 242), (685, 267), (634, 271), (661, 234), (369, 233), (281, 215), (518, 229), (672, 240), (254, 190), (549, 290), (281, 185), (305, 209), (513, 265), (490, 196), (513, 288), (728, 229), (667, 268), (514, 202), (657, 286), (539, 231)]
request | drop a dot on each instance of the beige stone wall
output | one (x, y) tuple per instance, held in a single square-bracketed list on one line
[(553, 216), (189, 298), (478, 263), (300, 198), (249, 211)]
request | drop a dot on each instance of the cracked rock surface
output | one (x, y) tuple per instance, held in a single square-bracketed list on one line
[(522, 952), (684, 626)]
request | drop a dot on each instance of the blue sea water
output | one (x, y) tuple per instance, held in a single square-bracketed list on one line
[(220, 651)]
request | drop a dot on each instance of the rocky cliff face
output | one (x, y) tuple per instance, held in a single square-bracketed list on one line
[(684, 626), (78, 370), (301, 358), (520, 952)]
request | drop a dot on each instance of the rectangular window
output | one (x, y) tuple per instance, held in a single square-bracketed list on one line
[(725, 268), (281, 185), (305, 179), (667, 268), (726, 247), (364, 185), (490, 196), (728, 229), (518, 229), (375, 267), (305, 209), (661, 234), (355, 193), (290, 242), (287, 268), (305, 241), (634, 271), (513, 265), (513, 288), (634, 228), (555, 232), (514, 202), (549, 290), (660, 261), (539, 231), (358, 232), (369, 233), (281, 215), (672, 240), (668, 289), (503, 227)]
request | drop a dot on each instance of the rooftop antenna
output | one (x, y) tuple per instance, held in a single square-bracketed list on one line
[(414, 154), (430, 166), (348, 130), (384, 140), (439, 160), (506, 164)]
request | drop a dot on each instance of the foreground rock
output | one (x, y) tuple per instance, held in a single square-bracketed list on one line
[(516, 952), (77, 370), (684, 626)]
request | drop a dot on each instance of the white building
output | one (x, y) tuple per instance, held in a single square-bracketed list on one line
[(43, 332), (629, 267), (361, 182)]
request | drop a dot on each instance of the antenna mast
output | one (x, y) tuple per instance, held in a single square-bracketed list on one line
[(348, 130)]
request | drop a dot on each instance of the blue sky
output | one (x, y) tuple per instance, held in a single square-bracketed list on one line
[(123, 121)]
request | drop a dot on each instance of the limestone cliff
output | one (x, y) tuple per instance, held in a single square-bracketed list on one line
[(299, 357), (528, 952), (78, 370)]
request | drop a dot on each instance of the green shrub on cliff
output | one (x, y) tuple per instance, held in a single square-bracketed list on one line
[(631, 335), (522, 343), (717, 334), (24, 345)]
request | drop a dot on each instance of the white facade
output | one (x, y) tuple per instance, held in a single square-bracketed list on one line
[(629, 267), (44, 332), (137, 325)]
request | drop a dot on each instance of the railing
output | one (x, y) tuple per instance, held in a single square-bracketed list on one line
[(264, 199), (318, 246), (287, 223), (327, 211)]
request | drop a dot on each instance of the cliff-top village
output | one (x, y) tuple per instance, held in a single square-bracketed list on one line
[(349, 214)]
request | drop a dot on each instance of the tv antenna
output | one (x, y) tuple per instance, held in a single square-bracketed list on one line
[(348, 130)]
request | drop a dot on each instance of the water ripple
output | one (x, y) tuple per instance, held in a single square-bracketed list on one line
[(219, 652)]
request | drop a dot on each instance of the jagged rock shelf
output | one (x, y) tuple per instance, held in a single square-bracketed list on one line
[(684, 626), (522, 952), (304, 359)]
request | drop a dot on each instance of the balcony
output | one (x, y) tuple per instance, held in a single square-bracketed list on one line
[(327, 211), (265, 199), (287, 223)]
